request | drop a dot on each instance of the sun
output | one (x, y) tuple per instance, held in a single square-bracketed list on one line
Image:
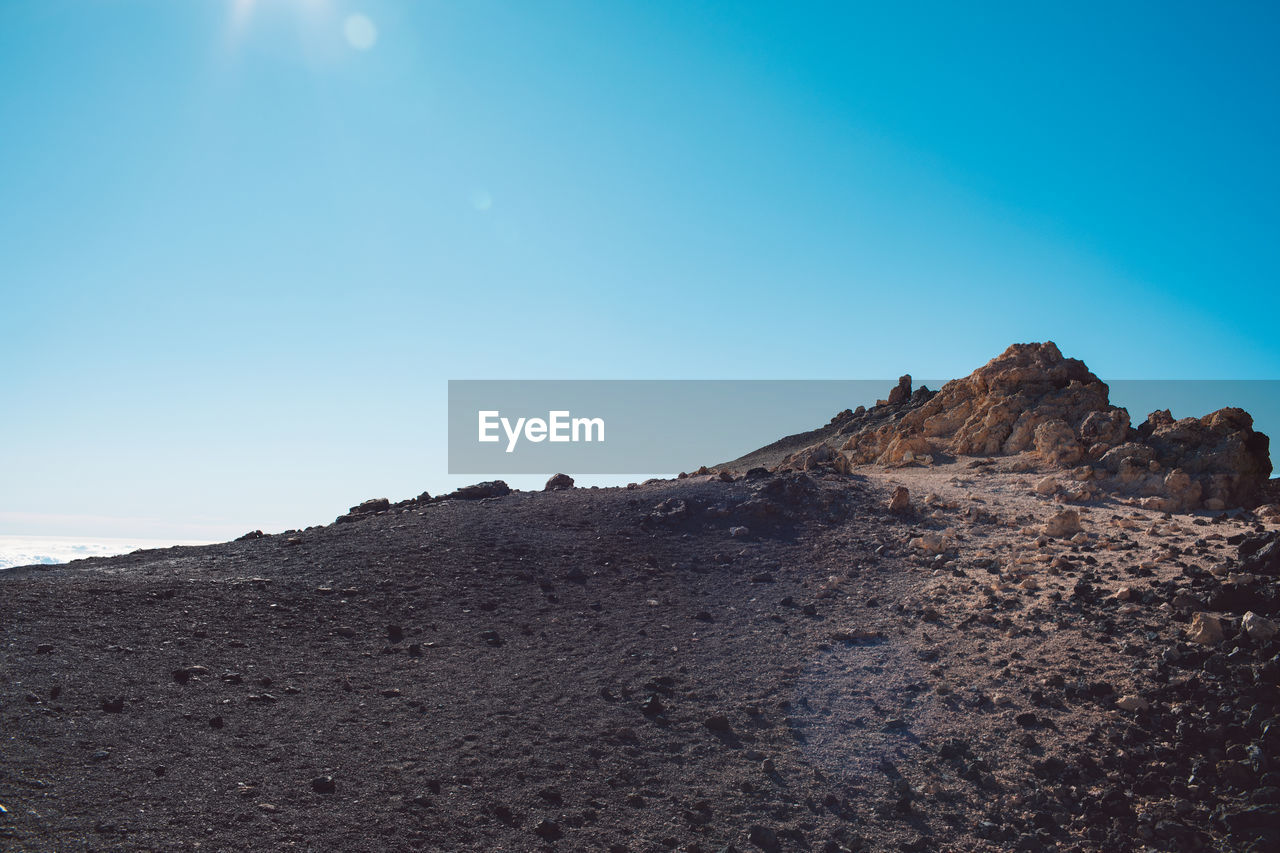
[(357, 29)]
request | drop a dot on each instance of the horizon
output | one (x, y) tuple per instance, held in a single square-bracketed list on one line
[(244, 255), (59, 539)]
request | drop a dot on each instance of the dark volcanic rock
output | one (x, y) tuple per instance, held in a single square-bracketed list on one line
[(479, 491), (558, 482)]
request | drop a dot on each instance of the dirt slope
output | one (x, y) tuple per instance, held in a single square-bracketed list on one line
[(626, 669)]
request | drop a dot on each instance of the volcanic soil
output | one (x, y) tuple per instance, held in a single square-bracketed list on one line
[(777, 662)]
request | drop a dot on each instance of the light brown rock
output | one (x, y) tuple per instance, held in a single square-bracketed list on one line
[(1048, 486), (996, 409), (1205, 629), (1133, 703), (1056, 443), (1062, 524), (817, 457), (901, 500), (1031, 398)]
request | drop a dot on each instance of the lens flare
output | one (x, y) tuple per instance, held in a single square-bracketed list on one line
[(360, 32)]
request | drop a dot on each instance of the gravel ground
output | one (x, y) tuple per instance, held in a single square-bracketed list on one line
[(773, 663)]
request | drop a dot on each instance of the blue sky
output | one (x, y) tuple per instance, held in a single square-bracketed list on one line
[(241, 255)]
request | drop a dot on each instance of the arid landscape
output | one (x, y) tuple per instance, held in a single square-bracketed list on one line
[(996, 616)]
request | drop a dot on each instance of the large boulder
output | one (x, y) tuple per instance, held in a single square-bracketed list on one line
[(1220, 451), (1215, 461)]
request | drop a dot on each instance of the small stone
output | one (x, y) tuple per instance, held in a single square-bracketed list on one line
[(324, 785), (1133, 703), (739, 532), (548, 830), (113, 706), (901, 500), (764, 838), (717, 723), (1048, 486), (1260, 630), (1062, 524), (855, 635), (558, 482), (216, 722), (930, 543), (1205, 629)]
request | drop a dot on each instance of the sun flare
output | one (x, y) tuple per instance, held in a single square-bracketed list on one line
[(242, 10)]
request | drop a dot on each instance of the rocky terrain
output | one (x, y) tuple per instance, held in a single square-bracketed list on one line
[(991, 617)]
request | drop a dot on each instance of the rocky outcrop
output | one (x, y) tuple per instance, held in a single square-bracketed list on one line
[(901, 393), (373, 506), (1031, 399), (1028, 398), (1215, 461), (479, 491)]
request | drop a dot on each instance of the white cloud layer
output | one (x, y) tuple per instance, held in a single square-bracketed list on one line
[(51, 550)]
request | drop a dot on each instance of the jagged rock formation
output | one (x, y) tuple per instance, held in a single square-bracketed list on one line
[(1031, 399)]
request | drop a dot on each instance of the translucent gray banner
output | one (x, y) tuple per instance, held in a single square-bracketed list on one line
[(624, 427)]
